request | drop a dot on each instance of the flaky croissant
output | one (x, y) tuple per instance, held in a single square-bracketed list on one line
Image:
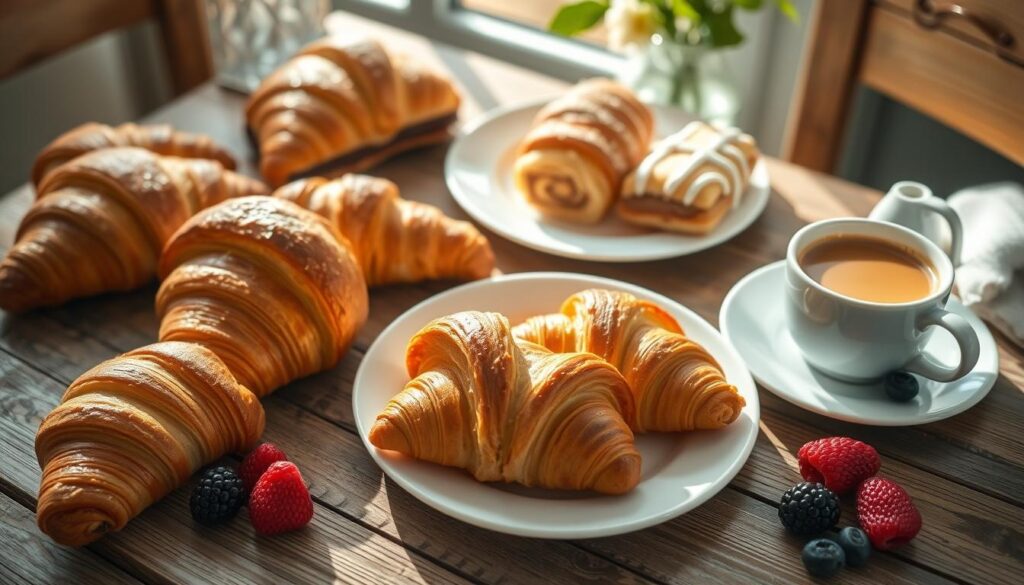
[(395, 240), (677, 384), (572, 161), (132, 429), (268, 286), (344, 106), (99, 222), (158, 138), (511, 411)]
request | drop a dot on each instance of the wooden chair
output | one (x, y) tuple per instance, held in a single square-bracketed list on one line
[(960, 62), (33, 30)]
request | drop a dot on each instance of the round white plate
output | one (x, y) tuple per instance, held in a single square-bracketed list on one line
[(680, 470), (753, 319), (478, 170)]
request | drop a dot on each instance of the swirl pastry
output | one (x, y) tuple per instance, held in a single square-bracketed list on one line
[(677, 384), (395, 240), (511, 411), (268, 286), (159, 138), (690, 180), (344, 106), (99, 222), (572, 161), (132, 429)]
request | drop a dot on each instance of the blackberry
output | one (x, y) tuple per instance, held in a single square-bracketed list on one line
[(217, 497), (809, 508)]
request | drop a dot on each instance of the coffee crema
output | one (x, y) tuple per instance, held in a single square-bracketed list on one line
[(868, 269)]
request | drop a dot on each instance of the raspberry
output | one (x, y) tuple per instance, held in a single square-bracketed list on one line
[(840, 463), (809, 508), (886, 513), (217, 497), (257, 461), (280, 500)]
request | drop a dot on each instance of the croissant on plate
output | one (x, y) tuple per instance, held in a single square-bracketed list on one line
[(158, 138), (572, 161), (511, 411), (395, 240), (269, 287), (677, 384), (343, 106), (132, 429), (99, 222)]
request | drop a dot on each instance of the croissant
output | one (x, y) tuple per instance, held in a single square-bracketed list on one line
[(510, 411), (266, 285), (346, 106), (99, 222), (572, 161), (158, 138), (677, 384), (132, 429), (395, 240)]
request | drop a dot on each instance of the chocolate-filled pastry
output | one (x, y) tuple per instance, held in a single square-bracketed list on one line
[(690, 180), (343, 106), (571, 163)]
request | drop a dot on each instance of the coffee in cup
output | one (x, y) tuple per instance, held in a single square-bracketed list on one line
[(868, 269)]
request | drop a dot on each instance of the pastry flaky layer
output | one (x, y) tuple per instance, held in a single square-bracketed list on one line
[(572, 161), (677, 384), (690, 180), (99, 222), (132, 429), (158, 138), (511, 411), (394, 240), (349, 100), (271, 288)]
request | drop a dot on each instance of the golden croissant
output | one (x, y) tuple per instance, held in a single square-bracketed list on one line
[(677, 384), (266, 285), (395, 240), (346, 106), (572, 161), (132, 429), (99, 222), (511, 411), (158, 138)]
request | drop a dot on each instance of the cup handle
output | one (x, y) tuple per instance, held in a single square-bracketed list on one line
[(966, 338), (956, 228)]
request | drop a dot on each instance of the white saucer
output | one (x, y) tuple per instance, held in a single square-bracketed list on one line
[(478, 170), (752, 318), (680, 470)]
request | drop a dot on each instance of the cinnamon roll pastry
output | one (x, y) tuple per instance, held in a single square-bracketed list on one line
[(394, 240), (572, 161), (677, 384), (269, 287), (343, 106), (690, 180), (510, 411), (132, 429)]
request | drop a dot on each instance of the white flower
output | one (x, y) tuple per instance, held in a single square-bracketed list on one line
[(630, 24)]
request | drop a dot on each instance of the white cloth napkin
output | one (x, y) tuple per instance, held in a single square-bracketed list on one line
[(990, 278)]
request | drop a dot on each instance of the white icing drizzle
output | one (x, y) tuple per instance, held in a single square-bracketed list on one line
[(731, 174)]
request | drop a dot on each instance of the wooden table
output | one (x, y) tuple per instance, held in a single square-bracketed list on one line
[(965, 473)]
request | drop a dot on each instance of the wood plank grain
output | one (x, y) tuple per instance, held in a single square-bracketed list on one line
[(1005, 14), (186, 42)]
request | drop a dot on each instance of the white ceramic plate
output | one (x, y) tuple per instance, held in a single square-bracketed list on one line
[(478, 170), (680, 470), (752, 318)]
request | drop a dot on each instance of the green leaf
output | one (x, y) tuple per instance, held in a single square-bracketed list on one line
[(786, 7), (749, 4), (721, 29), (573, 19), (684, 9)]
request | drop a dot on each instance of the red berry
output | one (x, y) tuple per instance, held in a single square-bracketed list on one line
[(257, 461), (886, 513), (838, 462), (280, 501)]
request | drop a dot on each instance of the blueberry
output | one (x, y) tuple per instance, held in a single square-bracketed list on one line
[(823, 557), (901, 386), (856, 546)]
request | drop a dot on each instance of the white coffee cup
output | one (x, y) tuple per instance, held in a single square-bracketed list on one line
[(861, 341)]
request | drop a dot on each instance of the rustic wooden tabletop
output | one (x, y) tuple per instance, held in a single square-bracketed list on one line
[(966, 473)]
